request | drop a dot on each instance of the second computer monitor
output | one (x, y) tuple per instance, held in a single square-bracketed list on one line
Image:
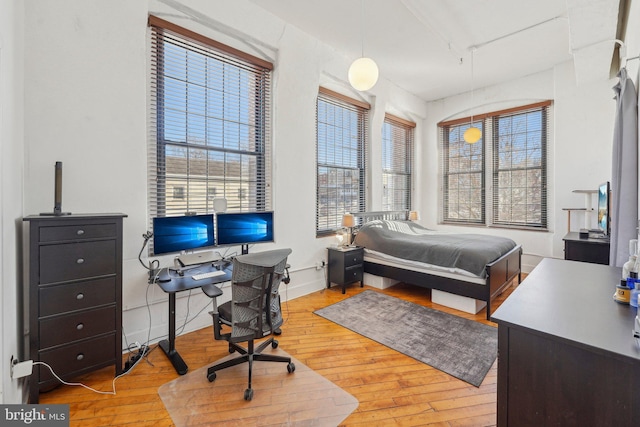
[(244, 228)]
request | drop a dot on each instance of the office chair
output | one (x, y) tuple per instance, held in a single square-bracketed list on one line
[(253, 312)]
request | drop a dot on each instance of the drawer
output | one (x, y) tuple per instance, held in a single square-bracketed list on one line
[(64, 329), (70, 261), (77, 357), (354, 257), (76, 232), (76, 296), (353, 273)]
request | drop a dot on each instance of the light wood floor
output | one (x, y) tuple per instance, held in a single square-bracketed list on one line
[(392, 389)]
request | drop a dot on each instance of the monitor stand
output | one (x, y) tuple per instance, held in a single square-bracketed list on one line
[(245, 249)]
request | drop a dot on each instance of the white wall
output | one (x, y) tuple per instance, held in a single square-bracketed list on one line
[(11, 171), (86, 105), (579, 152)]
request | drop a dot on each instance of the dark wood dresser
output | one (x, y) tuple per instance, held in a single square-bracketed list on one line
[(595, 250), (73, 295), (566, 351)]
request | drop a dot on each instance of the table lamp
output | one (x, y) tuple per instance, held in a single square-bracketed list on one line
[(349, 222)]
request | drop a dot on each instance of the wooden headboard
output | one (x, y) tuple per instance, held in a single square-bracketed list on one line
[(364, 217)]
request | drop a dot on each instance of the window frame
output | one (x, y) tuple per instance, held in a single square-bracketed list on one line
[(246, 164), (329, 210), (491, 152), (398, 136)]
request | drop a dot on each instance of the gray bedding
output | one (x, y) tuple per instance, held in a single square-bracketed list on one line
[(407, 240)]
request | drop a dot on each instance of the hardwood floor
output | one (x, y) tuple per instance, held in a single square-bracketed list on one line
[(392, 389)]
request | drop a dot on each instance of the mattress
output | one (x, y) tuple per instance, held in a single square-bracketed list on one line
[(410, 241), (421, 267)]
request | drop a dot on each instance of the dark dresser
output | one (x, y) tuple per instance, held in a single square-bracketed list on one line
[(73, 295), (566, 351)]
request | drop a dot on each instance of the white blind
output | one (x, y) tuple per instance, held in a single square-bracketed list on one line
[(209, 125), (341, 138), (397, 163)]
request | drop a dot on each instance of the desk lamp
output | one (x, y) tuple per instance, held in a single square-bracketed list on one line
[(349, 222)]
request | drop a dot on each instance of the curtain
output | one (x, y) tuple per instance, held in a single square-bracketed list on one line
[(624, 170)]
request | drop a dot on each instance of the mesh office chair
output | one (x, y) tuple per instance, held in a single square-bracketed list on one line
[(253, 312)]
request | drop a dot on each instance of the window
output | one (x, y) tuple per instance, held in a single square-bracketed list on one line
[(341, 126), (463, 176), (397, 161), (517, 169), (209, 131)]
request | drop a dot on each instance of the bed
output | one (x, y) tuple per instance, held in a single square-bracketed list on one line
[(473, 266)]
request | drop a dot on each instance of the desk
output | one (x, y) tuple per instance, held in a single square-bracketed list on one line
[(566, 353), (184, 283)]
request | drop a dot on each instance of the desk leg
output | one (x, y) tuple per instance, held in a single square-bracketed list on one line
[(169, 346)]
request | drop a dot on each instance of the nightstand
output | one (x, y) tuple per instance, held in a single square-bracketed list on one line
[(345, 265)]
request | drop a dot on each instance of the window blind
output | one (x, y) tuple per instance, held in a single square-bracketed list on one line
[(517, 142), (209, 134), (520, 168), (397, 163), (341, 135), (462, 170)]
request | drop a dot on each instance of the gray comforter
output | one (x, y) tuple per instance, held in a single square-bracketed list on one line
[(407, 240)]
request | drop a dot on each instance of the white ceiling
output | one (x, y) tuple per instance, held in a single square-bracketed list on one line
[(424, 46)]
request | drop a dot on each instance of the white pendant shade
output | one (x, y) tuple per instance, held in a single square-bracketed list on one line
[(472, 135), (363, 74)]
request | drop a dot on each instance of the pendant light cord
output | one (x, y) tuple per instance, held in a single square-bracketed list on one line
[(473, 86), (362, 27)]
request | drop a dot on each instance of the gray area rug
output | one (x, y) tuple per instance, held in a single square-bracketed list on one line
[(460, 347)]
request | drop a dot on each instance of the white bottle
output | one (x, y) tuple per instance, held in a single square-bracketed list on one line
[(630, 265)]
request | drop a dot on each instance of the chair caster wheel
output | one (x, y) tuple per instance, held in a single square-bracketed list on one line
[(274, 344), (248, 394), (211, 377), (291, 367)]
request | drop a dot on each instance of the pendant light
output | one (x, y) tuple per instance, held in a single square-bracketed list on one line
[(363, 72), (472, 134)]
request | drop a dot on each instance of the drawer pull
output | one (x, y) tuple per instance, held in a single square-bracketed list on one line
[(80, 326), (79, 357), (80, 296), (80, 232), (80, 261)]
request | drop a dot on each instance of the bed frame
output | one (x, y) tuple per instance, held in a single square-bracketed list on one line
[(500, 273)]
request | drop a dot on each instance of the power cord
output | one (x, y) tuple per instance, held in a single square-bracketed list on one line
[(113, 383)]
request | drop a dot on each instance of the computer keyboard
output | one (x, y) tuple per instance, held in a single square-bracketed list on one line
[(208, 275)]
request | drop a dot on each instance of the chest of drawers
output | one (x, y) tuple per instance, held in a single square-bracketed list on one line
[(73, 295)]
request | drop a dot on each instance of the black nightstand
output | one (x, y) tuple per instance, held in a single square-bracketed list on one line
[(594, 250), (346, 265)]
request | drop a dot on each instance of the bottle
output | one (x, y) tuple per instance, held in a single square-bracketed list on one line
[(633, 300), (623, 293), (630, 265)]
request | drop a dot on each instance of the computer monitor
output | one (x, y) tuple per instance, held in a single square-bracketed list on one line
[(244, 228), (182, 233), (604, 208)]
